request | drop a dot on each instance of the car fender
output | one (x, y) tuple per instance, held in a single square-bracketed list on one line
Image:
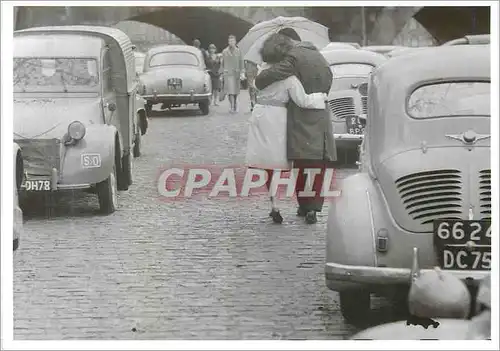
[(350, 230), (98, 143)]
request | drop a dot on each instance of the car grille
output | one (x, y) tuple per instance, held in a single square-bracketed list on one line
[(342, 107), (485, 193), (432, 195), (40, 155), (364, 103)]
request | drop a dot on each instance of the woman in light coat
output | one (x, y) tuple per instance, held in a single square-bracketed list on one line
[(266, 144)]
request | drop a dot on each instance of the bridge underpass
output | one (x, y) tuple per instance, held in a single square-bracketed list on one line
[(214, 24)]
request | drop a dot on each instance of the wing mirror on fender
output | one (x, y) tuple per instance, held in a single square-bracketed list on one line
[(111, 106)]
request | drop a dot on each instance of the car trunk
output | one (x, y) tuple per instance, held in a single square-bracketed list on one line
[(174, 80)]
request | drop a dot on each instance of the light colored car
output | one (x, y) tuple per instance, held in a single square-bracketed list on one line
[(75, 113), (337, 45), (18, 180), (406, 51), (348, 97), (424, 180), (478, 39), (140, 101), (382, 49), (176, 75)]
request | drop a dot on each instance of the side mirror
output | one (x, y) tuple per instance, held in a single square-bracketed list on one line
[(111, 106)]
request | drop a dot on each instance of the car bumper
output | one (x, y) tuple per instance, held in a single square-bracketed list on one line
[(189, 97), (54, 184), (340, 277)]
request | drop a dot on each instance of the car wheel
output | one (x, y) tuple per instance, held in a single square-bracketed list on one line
[(107, 193), (126, 173), (143, 122), (15, 243), (204, 107), (354, 305), (137, 145)]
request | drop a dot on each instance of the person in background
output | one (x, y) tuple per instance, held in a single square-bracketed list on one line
[(214, 61), (310, 142), (233, 71), (251, 70), (197, 44), (266, 143)]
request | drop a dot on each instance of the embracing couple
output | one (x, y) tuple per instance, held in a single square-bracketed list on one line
[(290, 124)]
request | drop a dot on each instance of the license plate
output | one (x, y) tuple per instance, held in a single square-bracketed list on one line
[(463, 245), (354, 125), (36, 185)]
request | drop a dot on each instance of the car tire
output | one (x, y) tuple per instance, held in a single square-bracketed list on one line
[(15, 244), (107, 193), (205, 107), (355, 306), (126, 172), (137, 145), (143, 122)]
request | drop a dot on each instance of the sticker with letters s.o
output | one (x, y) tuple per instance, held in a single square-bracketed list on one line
[(91, 160)]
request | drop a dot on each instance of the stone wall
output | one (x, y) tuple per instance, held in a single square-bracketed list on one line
[(144, 35)]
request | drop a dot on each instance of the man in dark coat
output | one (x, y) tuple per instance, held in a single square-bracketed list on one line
[(310, 142)]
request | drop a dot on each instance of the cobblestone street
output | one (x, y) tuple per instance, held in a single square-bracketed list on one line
[(189, 269)]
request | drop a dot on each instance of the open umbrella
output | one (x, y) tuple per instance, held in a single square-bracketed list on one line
[(308, 30)]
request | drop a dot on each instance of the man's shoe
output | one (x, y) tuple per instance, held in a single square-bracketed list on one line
[(301, 212), (276, 216), (311, 217)]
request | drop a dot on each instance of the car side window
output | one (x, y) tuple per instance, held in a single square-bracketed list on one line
[(106, 72)]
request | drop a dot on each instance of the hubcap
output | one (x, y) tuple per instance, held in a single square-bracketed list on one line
[(114, 195)]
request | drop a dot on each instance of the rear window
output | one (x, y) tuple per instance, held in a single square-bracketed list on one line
[(351, 70), (174, 58), (451, 99)]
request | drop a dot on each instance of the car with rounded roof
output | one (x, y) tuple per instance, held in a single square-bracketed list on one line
[(347, 98), (176, 75), (75, 110), (424, 179)]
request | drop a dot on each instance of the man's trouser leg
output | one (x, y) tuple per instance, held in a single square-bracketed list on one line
[(310, 203)]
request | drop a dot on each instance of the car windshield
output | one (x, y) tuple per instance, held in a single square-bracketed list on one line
[(450, 99), (347, 70), (176, 58), (55, 74)]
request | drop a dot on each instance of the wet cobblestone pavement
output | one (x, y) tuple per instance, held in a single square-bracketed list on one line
[(190, 269)]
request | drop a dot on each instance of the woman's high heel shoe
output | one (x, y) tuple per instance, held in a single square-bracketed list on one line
[(276, 216)]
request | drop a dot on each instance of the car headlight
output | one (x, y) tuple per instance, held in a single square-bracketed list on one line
[(76, 130), (363, 89)]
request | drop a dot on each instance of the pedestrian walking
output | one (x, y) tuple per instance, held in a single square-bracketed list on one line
[(251, 70), (197, 44), (266, 143), (232, 69), (214, 61), (310, 142)]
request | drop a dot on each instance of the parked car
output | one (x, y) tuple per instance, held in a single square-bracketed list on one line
[(382, 49), (340, 46), (176, 75), (478, 39), (140, 101), (348, 97), (424, 182), (18, 180), (406, 50), (75, 113)]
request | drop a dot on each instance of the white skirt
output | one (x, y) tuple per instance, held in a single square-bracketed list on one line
[(266, 143)]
